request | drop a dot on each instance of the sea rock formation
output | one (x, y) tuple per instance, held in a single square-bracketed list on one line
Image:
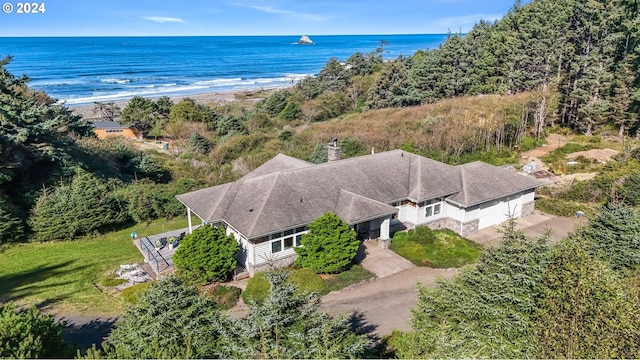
[(304, 39)]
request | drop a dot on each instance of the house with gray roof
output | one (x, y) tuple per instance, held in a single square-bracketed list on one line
[(269, 209)]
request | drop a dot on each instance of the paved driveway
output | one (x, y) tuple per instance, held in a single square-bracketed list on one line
[(534, 225), (384, 304)]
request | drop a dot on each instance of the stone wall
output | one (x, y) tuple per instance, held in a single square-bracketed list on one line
[(465, 229), (470, 227), (272, 264)]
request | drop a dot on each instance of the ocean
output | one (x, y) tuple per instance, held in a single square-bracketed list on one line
[(83, 70)]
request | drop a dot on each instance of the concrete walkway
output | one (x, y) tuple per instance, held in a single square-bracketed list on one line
[(383, 262)]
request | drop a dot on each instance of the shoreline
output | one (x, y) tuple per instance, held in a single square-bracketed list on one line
[(218, 97)]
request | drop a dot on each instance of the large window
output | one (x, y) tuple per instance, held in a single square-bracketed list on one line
[(276, 246), (433, 207)]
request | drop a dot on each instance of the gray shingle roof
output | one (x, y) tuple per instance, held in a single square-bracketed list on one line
[(483, 182), (286, 192), (278, 163)]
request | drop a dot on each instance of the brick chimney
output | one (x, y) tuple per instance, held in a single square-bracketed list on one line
[(333, 150)]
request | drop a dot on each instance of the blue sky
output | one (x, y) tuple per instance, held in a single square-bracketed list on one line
[(249, 17)]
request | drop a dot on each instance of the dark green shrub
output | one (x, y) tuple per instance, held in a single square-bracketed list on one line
[(329, 247), (199, 144), (285, 135), (291, 111), (354, 275), (207, 254), (257, 289), (133, 294)]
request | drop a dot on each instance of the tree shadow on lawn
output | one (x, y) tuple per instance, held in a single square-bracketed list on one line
[(28, 283)]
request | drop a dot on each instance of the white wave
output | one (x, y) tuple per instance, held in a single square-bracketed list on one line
[(156, 90), (218, 82), (125, 95), (115, 81)]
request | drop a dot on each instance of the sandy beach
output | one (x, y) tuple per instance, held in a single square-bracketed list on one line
[(86, 110)]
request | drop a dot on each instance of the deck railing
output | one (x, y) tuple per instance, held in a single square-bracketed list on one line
[(153, 256)]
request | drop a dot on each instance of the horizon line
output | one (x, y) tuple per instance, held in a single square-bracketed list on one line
[(245, 35)]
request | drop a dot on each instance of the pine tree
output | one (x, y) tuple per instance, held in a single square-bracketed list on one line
[(171, 320), (287, 325)]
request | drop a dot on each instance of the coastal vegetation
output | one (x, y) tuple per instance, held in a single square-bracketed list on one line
[(565, 66), (577, 298)]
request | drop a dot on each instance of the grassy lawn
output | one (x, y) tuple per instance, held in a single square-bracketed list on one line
[(307, 281), (437, 249), (65, 274)]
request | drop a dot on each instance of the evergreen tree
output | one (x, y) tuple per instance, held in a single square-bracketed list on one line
[(614, 234), (139, 112), (586, 310), (29, 334), (171, 320), (287, 325), (199, 144), (486, 311), (207, 254), (329, 247), (394, 87), (81, 207)]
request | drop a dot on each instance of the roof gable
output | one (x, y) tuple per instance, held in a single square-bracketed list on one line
[(483, 182), (278, 163)]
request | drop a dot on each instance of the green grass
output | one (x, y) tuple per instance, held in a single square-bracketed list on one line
[(307, 281), (347, 278), (225, 297), (437, 249), (66, 274)]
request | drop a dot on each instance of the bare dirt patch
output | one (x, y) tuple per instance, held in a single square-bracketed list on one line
[(601, 155)]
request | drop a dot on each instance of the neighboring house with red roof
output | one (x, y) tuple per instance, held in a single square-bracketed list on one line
[(269, 209)]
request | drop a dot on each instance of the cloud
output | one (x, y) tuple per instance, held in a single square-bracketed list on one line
[(162, 20), (287, 13)]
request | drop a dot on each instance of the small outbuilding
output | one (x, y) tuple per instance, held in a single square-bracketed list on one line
[(106, 129)]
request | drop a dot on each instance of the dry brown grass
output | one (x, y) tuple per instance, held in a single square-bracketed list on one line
[(468, 121)]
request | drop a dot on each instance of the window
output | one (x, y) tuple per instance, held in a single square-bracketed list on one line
[(288, 243), (288, 232), (298, 240), (434, 207), (301, 229), (276, 246)]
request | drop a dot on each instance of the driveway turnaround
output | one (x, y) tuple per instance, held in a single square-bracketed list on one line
[(384, 303)]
